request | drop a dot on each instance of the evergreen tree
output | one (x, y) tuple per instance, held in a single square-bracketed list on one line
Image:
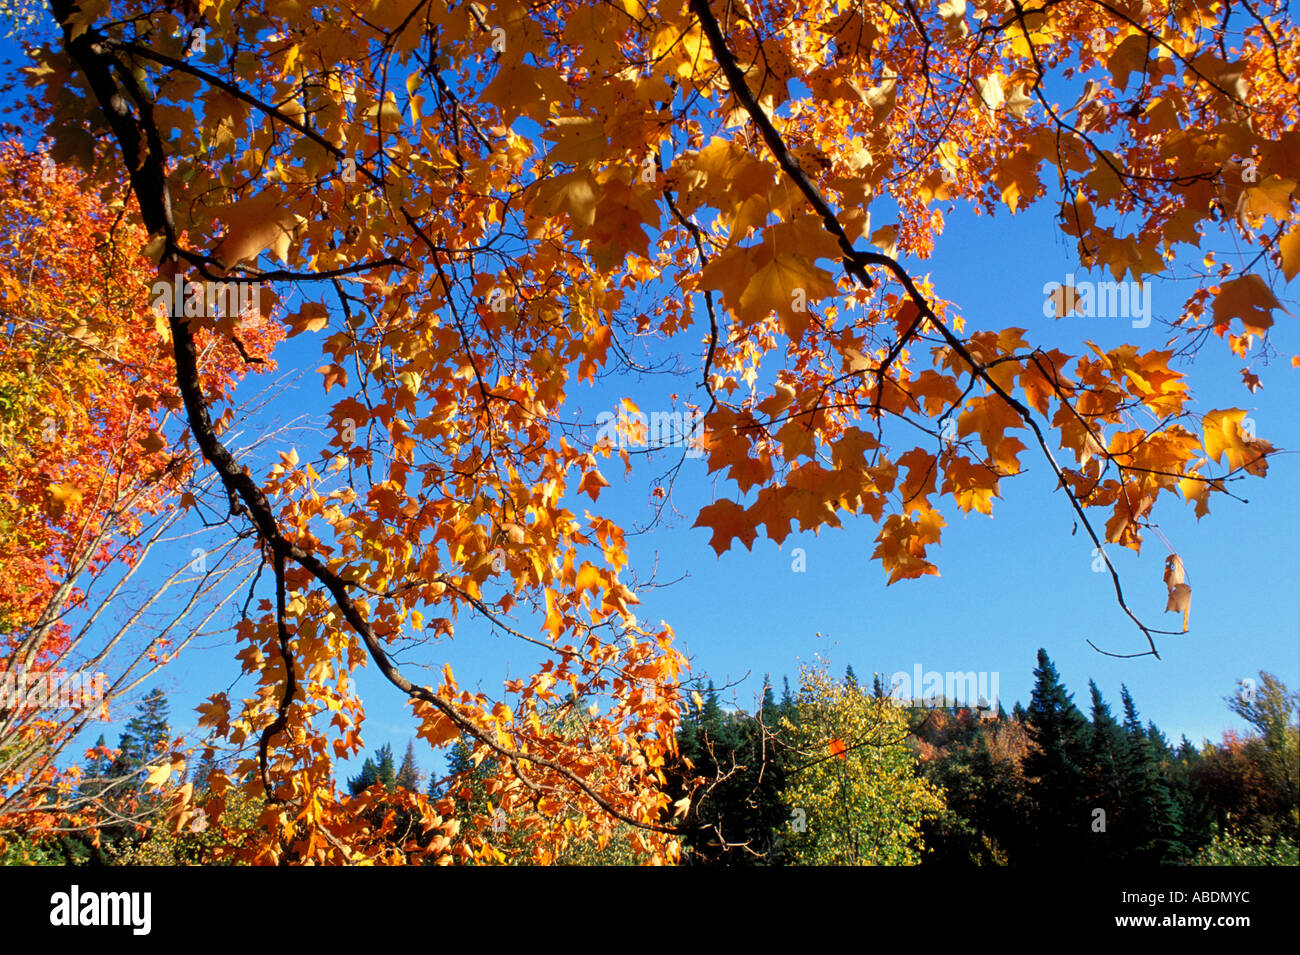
[(735, 820), (1151, 829), (877, 688), (1159, 742), (119, 785), (465, 781), (1195, 812), (769, 757), (385, 771), (458, 761), (711, 721), (96, 774), (400, 826), (365, 779), (145, 737), (1106, 766), (850, 677), (408, 775), (1059, 731)]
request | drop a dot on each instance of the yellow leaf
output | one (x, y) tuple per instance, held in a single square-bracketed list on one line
[(1017, 178), (1180, 601), (1019, 102), (1224, 434), (60, 497), (158, 775), (255, 225), (1174, 574), (780, 399), (953, 15), (990, 91), (1128, 56), (1272, 197), (886, 239), (312, 317), (575, 193), (787, 285), (1288, 248), (438, 729), (881, 98)]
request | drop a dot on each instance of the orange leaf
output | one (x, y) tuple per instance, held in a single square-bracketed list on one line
[(592, 482), (728, 520)]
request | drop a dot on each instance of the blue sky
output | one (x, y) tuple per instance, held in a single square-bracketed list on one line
[(1009, 584)]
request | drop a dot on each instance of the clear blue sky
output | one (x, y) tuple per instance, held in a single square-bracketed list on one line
[(1009, 584)]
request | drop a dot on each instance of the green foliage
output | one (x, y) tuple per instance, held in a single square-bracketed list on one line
[(1275, 714), (97, 768), (145, 738), (385, 771), (1106, 773), (114, 782), (197, 844), (853, 778), (20, 848), (1234, 847), (378, 770), (1056, 767), (364, 779), (877, 687), (1016, 789), (1194, 809), (466, 781), (1151, 828), (923, 785), (736, 817)]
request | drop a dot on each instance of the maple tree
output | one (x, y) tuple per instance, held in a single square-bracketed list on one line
[(93, 469), (464, 201)]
